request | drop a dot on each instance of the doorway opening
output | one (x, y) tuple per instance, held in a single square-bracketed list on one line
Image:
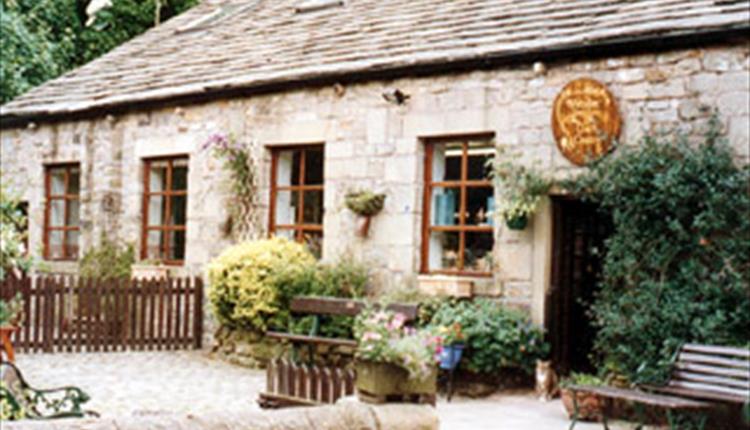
[(578, 234)]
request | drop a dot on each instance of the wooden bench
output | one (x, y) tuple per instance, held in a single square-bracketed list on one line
[(702, 377), (290, 382)]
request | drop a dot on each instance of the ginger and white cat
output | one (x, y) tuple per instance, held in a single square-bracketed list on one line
[(547, 387)]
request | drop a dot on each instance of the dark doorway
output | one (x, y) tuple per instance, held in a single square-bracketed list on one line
[(578, 235)]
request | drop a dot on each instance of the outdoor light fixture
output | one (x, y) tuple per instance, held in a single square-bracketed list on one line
[(539, 68), (395, 96)]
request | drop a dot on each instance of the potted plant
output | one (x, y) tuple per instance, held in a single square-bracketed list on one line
[(590, 405), (150, 269), (453, 345), (365, 204), (11, 312), (11, 316), (520, 189), (394, 360)]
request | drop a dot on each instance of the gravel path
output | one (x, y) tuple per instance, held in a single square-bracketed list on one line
[(147, 382), (142, 383)]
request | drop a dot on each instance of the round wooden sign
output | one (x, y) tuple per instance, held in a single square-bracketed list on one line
[(585, 120)]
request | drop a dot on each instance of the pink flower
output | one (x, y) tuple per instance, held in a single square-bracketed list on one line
[(371, 335)]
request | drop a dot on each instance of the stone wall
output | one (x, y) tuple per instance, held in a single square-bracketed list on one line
[(370, 143)]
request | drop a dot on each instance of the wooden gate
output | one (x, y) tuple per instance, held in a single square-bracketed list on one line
[(290, 384), (71, 314)]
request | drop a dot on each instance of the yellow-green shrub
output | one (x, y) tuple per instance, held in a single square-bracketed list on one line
[(244, 288)]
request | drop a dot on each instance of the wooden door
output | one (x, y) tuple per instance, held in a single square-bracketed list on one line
[(579, 231)]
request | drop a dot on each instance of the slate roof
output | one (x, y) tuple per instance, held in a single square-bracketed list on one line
[(255, 43)]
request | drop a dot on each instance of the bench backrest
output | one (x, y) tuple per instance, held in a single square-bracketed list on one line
[(712, 373), (347, 307)]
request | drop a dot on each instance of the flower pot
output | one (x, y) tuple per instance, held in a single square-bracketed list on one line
[(385, 379), (450, 356), (363, 226), (517, 223), (590, 406), (149, 271)]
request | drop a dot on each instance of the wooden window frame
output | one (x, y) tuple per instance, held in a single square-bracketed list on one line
[(167, 195), (462, 184), (66, 198), (299, 227)]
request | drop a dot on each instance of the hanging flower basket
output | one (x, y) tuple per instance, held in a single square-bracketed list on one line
[(517, 223), (365, 204)]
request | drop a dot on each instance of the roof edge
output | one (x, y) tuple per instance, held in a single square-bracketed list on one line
[(607, 48)]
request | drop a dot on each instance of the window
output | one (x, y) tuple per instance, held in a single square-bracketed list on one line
[(297, 195), (459, 200), (62, 212), (165, 209)]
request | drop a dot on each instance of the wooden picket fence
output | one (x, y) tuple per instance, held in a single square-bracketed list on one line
[(65, 313), (291, 384)]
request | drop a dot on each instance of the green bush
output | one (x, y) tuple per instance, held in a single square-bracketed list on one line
[(252, 285), (346, 279), (244, 281), (497, 338), (677, 267), (107, 261)]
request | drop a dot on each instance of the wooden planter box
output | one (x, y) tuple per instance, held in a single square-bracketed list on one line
[(149, 271), (378, 381), (590, 406)]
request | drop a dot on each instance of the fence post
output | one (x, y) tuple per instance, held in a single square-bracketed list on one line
[(198, 313)]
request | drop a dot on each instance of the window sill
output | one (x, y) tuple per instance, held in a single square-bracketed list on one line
[(446, 285)]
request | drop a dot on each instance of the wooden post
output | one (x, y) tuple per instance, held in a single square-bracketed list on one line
[(198, 316)]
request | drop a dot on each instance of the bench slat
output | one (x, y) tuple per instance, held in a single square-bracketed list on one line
[(712, 370), (721, 350), (696, 386), (311, 339), (703, 395), (718, 380), (700, 358), (665, 401)]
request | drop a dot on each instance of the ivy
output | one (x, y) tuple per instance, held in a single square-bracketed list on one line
[(677, 267)]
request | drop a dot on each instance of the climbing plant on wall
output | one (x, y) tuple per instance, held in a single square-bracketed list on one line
[(240, 164), (677, 267)]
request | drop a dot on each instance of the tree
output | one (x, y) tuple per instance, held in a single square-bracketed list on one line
[(41, 39)]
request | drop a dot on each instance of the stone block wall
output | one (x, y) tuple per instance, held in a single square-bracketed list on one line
[(370, 143)]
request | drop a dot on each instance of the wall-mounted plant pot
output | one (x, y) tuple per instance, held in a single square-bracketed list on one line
[(517, 223), (363, 226), (149, 271)]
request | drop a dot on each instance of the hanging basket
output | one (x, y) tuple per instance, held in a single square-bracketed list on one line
[(363, 226), (517, 223)]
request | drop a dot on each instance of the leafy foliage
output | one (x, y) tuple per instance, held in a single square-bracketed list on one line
[(521, 188), (382, 337), (677, 268), (364, 203), (253, 283), (107, 261), (496, 337), (11, 311), (12, 235), (245, 279), (346, 278), (238, 161), (41, 39)]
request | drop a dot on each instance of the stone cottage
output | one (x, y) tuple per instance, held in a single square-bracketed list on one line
[(405, 97)]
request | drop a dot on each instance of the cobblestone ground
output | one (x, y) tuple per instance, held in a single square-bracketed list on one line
[(147, 382), (142, 383)]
